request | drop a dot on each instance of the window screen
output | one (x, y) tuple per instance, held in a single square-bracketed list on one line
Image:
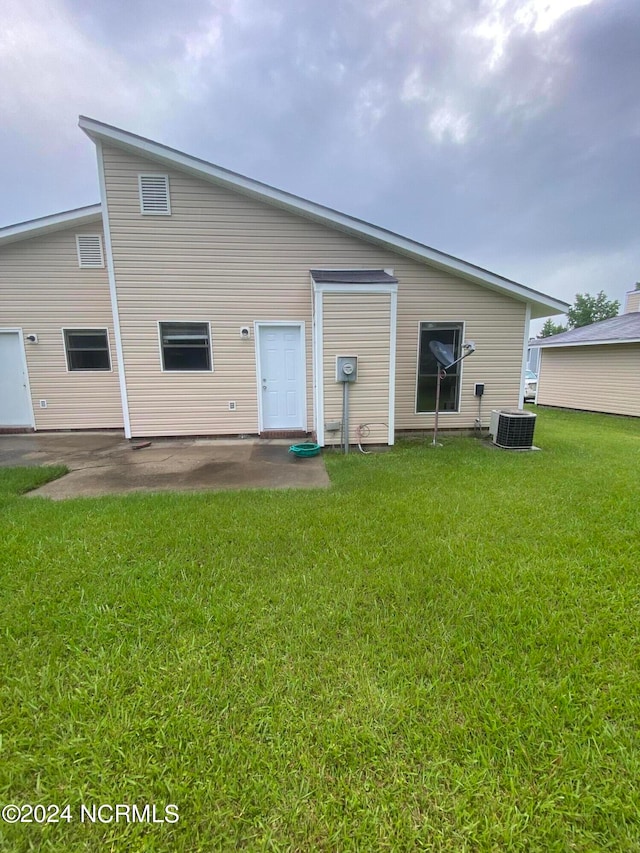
[(185, 346), (87, 349)]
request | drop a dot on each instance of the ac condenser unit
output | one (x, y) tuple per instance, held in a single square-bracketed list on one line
[(512, 428)]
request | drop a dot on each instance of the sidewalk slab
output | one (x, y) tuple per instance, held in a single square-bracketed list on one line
[(107, 464)]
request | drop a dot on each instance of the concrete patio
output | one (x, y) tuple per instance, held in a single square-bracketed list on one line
[(104, 463)]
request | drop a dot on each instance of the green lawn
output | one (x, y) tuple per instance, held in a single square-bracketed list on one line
[(440, 652)]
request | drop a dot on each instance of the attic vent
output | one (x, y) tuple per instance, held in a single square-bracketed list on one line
[(154, 194), (89, 250)]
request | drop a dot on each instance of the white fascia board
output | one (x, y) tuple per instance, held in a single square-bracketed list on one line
[(55, 222), (541, 305), (339, 287)]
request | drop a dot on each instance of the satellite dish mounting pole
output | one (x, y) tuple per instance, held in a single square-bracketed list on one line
[(443, 355), (441, 374)]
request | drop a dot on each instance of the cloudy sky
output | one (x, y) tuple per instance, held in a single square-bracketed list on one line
[(505, 132)]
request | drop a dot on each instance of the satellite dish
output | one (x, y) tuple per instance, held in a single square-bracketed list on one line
[(442, 353)]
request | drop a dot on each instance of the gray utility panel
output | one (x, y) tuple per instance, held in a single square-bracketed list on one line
[(346, 368)]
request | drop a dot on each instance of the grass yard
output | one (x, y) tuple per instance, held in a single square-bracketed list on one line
[(439, 653)]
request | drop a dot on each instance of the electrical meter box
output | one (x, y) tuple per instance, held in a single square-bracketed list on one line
[(346, 368)]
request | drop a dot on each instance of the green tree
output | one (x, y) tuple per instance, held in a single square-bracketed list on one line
[(550, 328), (591, 309)]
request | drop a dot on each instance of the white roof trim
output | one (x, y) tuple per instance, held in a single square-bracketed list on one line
[(541, 304), (55, 222), (346, 287)]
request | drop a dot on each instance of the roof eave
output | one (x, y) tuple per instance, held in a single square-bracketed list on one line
[(541, 304), (559, 344), (46, 224)]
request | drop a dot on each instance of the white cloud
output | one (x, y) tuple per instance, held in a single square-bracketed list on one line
[(54, 70), (506, 19), (542, 15), (447, 125)]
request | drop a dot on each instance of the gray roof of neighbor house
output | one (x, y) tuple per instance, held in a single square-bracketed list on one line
[(624, 329)]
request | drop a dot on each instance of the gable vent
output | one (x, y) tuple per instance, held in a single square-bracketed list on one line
[(89, 250), (154, 194)]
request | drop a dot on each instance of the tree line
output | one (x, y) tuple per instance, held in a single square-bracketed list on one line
[(585, 310)]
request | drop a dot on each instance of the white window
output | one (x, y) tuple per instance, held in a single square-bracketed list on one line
[(185, 346), (449, 334), (87, 349), (154, 195), (89, 248)]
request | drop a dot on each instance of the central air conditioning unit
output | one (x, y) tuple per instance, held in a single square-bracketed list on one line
[(512, 428)]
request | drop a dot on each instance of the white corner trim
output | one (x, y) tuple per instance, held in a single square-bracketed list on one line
[(114, 295), (318, 352), (525, 347), (392, 365)]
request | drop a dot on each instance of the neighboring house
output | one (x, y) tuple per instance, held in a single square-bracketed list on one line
[(596, 367), (533, 355), (195, 301)]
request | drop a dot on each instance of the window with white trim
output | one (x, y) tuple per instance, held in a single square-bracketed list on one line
[(89, 247), (87, 349), (154, 195), (185, 346), (449, 334)]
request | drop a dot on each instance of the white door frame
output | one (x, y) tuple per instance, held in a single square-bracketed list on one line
[(23, 354), (299, 324)]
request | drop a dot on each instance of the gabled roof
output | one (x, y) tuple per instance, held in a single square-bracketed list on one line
[(624, 329), (541, 305), (55, 222)]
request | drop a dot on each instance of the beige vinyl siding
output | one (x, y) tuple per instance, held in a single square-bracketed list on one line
[(229, 259), (358, 324), (632, 302), (494, 322), (594, 378), (42, 291)]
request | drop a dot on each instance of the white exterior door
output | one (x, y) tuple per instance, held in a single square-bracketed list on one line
[(15, 402), (281, 377)]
